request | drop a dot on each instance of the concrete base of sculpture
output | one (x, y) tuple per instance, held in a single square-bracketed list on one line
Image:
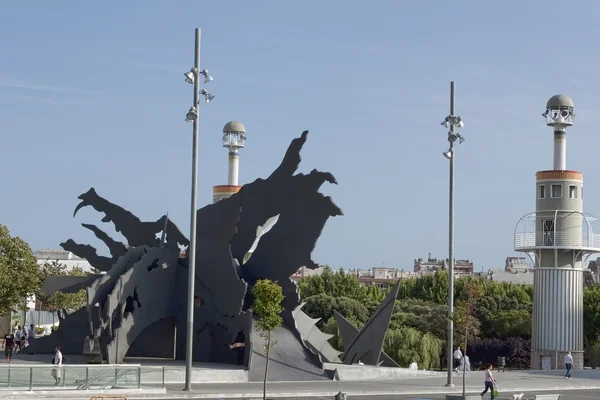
[(289, 361), (355, 372)]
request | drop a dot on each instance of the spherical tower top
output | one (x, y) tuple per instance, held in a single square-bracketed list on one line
[(560, 112), (234, 126), (559, 101)]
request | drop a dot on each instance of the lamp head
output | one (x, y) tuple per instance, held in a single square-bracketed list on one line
[(207, 77), (191, 115), (190, 76), (448, 154), (207, 96)]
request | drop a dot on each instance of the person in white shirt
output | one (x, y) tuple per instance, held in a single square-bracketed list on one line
[(57, 361), (489, 381), (458, 356), (568, 364)]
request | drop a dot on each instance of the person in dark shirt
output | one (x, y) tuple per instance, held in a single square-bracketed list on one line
[(9, 344)]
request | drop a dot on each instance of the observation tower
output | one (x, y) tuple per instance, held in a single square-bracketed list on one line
[(234, 139), (559, 238)]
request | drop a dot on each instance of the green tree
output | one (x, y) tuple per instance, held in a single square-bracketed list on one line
[(591, 321), (334, 284), (407, 345), (60, 301), (465, 317), (421, 315), (512, 323), (19, 277), (268, 297)]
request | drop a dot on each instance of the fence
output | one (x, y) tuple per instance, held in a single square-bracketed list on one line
[(70, 377), (83, 376)]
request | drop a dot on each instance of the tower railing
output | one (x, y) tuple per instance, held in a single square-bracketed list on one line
[(583, 240)]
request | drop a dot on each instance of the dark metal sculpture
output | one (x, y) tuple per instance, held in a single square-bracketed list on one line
[(365, 345), (142, 297)]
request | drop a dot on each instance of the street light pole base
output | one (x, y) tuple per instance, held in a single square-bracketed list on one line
[(449, 385)]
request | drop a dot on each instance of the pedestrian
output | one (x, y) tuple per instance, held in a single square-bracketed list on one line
[(458, 356), (57, 362), (239, 346), (568, 364), (9, 343), (17, 340), (490, 382)]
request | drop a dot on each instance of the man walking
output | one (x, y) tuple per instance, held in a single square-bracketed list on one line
[(57, 361), (568, 364), (458, 356)]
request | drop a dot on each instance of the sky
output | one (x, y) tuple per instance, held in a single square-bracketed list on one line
[(92, 94)]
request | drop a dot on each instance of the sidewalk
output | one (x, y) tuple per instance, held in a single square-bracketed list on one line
[(508, 383)]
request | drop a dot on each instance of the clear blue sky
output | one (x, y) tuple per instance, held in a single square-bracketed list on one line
[(93, 94)]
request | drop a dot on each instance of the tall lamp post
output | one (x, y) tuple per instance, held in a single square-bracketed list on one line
[(451, 121), (193, 77)]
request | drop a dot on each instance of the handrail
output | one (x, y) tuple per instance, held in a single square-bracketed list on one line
[(86, 384), (113, 381), (22, 377), (50, 366), (559, 239)]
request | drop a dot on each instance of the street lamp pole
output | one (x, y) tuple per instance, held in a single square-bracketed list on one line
[(451, 246), (451, 121), (189, 342)]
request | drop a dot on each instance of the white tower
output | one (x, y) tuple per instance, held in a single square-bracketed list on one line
[(234, 138), (559, 238)]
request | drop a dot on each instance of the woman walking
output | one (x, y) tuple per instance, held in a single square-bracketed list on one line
[(489, 381)]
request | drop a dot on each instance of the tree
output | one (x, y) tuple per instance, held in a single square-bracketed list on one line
[(334, 284), (465, 317), (591, 320), (60, 301), (268, 297), (19, 277)]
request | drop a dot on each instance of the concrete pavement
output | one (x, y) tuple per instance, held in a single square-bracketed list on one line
[(409, 387)]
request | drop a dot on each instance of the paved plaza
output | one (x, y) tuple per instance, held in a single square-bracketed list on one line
[(585, 384)]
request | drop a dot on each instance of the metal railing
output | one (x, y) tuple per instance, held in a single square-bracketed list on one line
[(70, 377), (559, 239)]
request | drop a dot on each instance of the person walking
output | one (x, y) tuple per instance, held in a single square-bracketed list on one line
[(458, 356), (568, 364), (490, 382), (9, 344), (57, 362), (17, 340)]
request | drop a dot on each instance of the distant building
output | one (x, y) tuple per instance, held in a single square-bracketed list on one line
[(516, 276), (63, 257), (461, 267), (517, 264)]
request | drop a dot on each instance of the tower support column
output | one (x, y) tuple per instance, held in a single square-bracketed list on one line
[(560, 150), (234, 166), (557, 316)]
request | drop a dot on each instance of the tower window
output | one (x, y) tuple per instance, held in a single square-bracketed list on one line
[(556, 191), (542, 192), (572, 192)]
